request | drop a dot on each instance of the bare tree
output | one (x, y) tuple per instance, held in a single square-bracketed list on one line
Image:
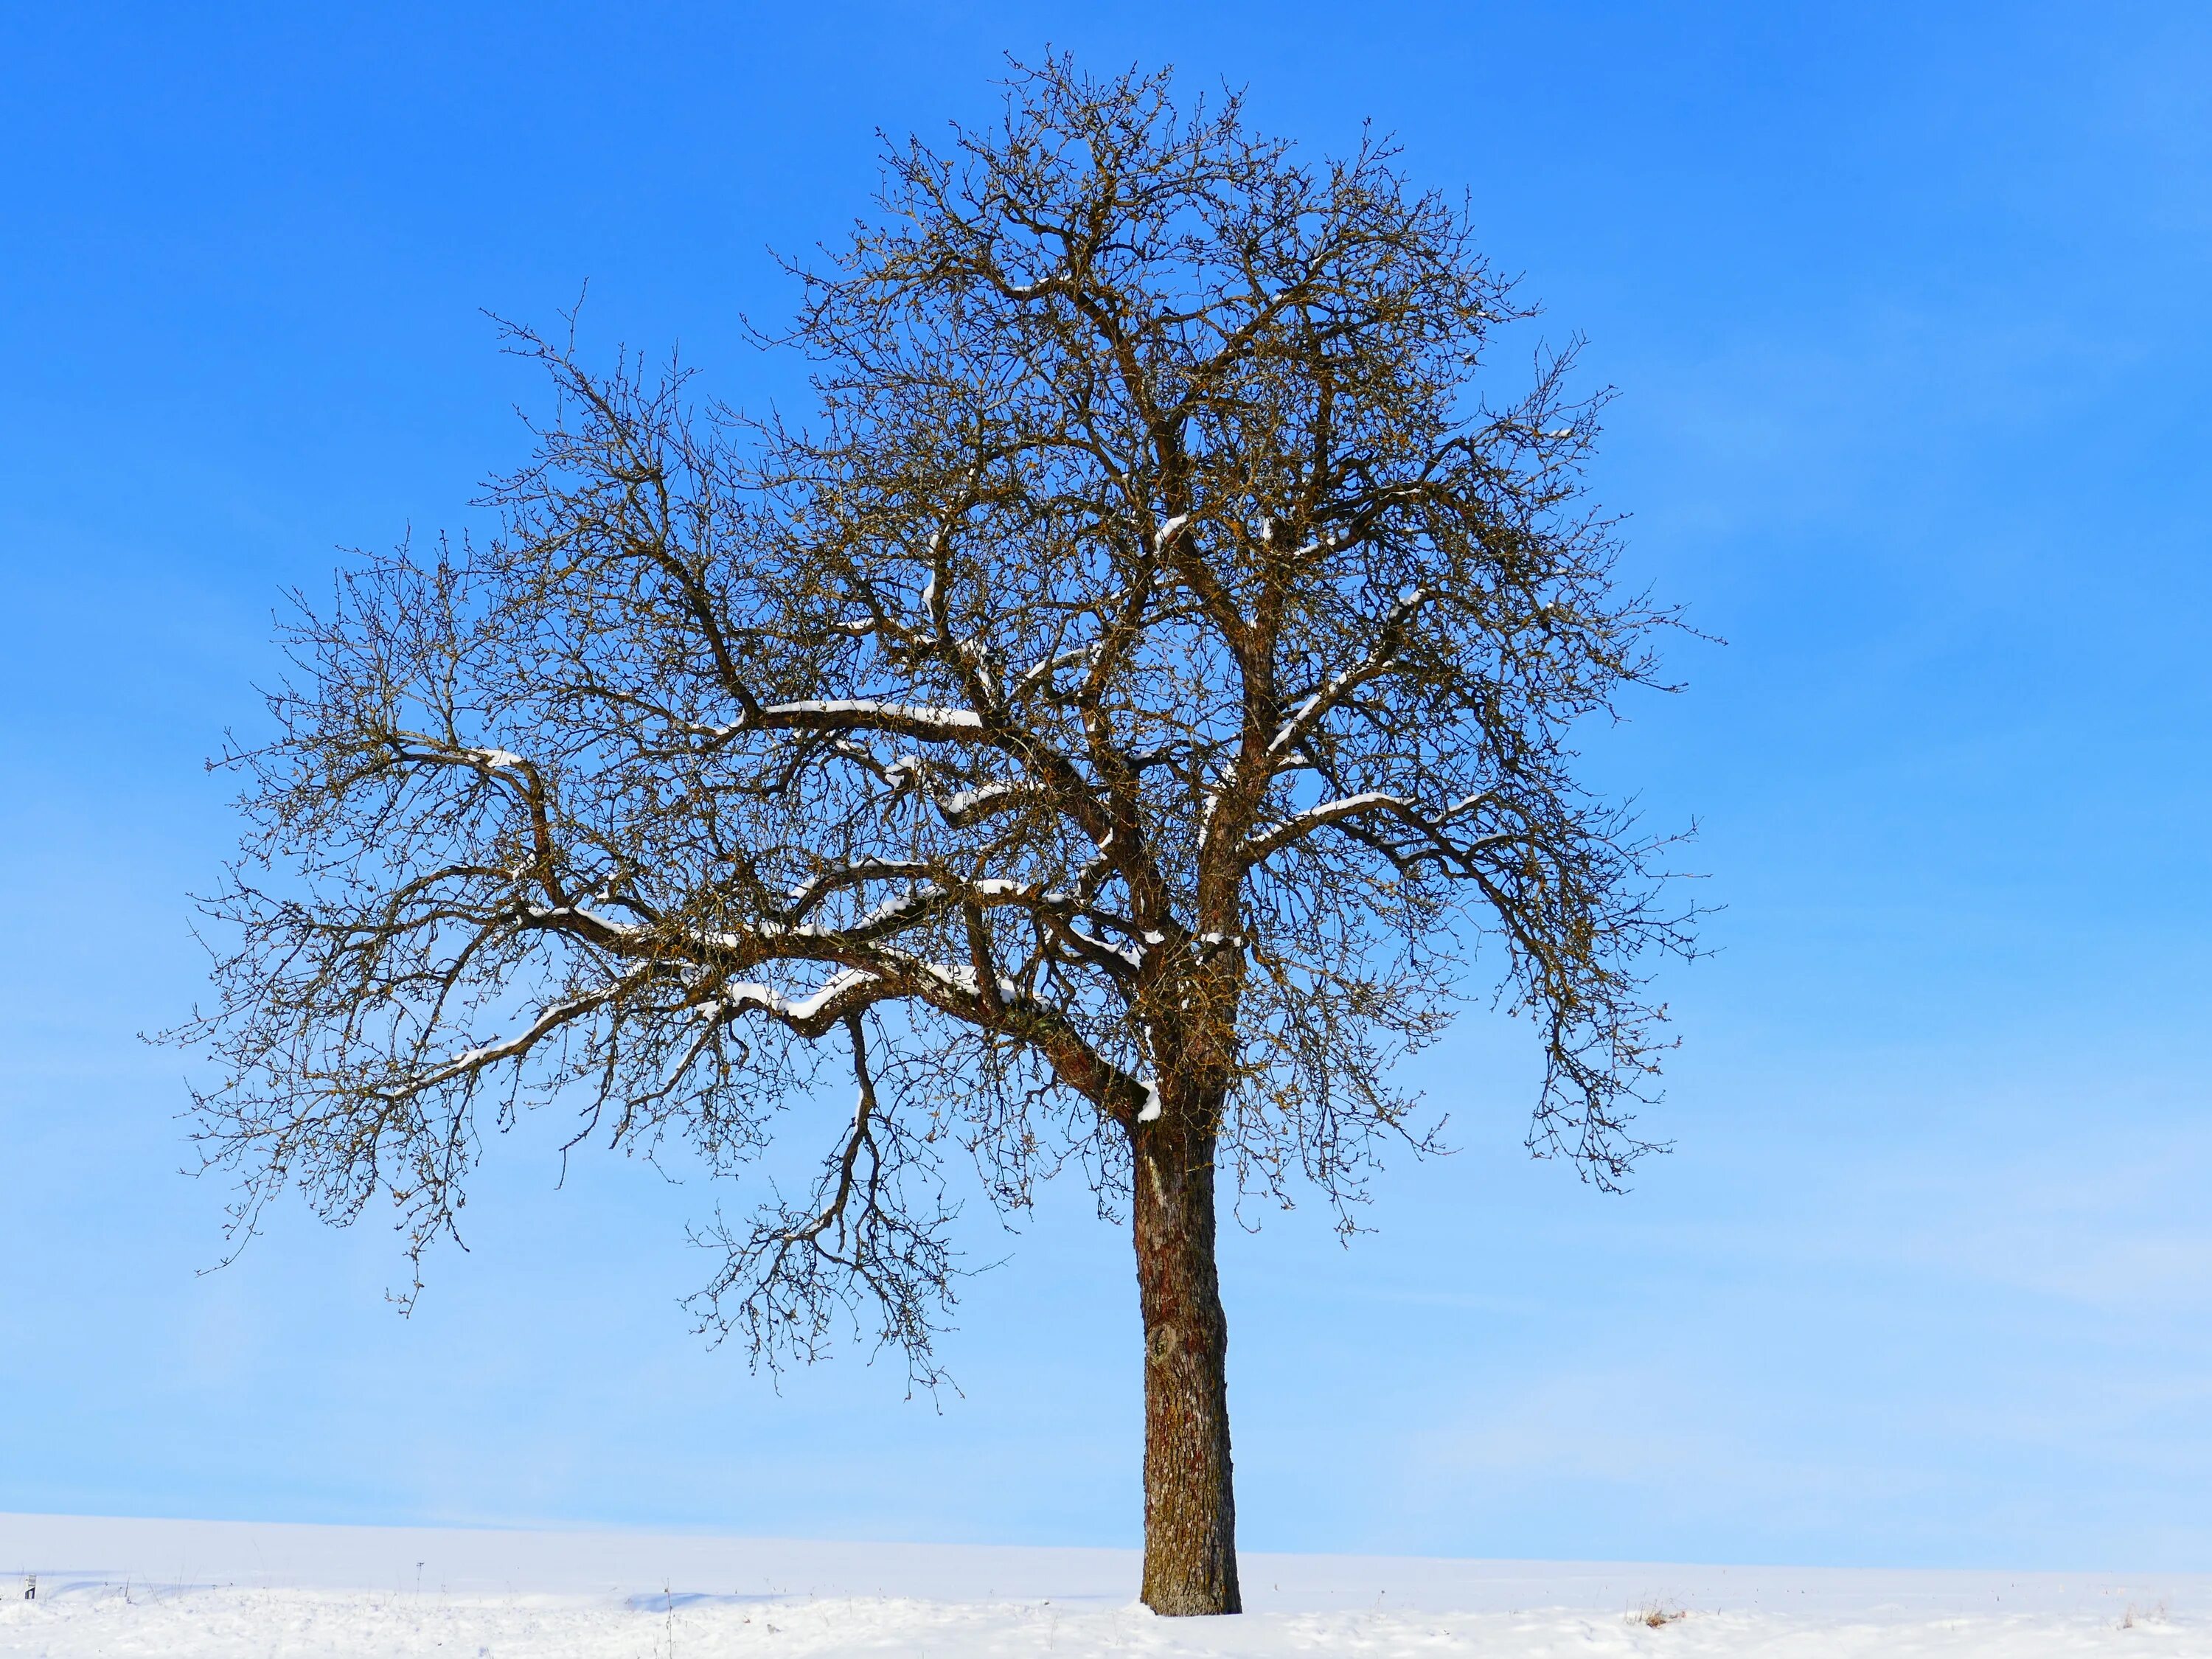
[(1108, 726)]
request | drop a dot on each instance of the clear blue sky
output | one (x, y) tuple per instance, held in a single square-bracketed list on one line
[(1907, 305)]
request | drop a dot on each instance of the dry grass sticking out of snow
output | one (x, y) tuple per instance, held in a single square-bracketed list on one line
[(83, 1619)]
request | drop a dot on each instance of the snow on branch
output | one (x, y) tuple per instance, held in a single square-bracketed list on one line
[(518, 1046), (1376, 802), (1378, 660)]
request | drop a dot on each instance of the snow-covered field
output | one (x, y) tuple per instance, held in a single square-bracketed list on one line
[(195, 1588)]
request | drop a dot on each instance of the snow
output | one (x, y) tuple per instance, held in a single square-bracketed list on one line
[(964, 802), (959, 977), (205, 1590), (545, 912), (1044, 668), (740, 995), (866, 708), (889, 911)]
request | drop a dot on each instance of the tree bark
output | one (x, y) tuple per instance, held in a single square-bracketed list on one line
[(1190, 1506)]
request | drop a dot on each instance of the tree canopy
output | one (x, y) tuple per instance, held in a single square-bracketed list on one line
[(1128, 710)]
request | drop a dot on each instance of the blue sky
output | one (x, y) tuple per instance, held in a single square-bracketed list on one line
[(1906, 308)]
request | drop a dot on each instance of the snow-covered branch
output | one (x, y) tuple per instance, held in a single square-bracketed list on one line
[(1379, 660), (1373, 802)]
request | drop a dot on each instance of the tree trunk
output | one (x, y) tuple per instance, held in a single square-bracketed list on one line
[(1191, 1509)]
